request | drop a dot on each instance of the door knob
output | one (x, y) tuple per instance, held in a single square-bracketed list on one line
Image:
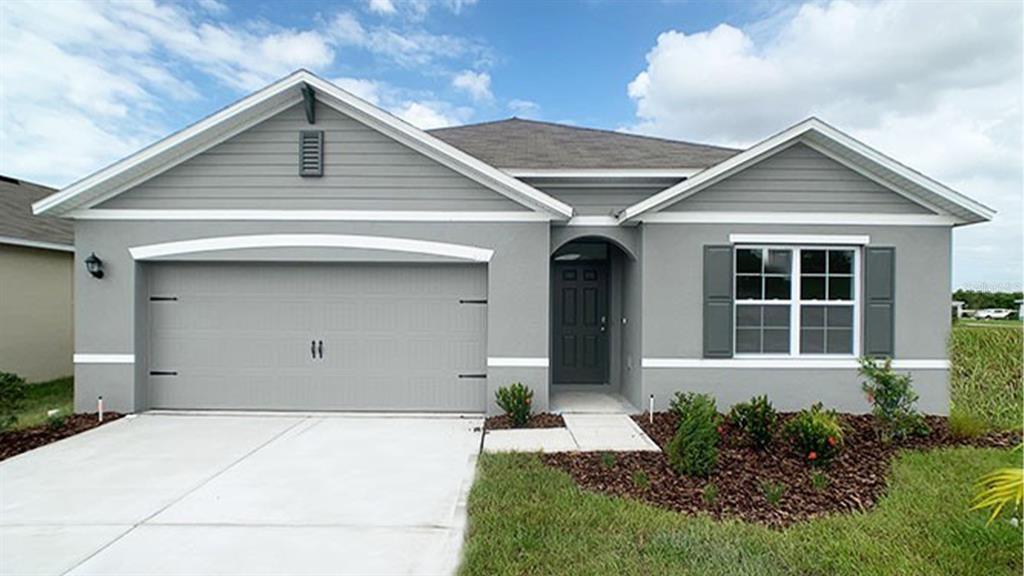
[(321, 346), (312, 348)]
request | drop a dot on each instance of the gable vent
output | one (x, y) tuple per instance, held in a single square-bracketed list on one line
[(311, 153)]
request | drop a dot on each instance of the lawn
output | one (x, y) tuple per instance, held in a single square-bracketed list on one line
[(985, 381), (44, 396), (527, 518)]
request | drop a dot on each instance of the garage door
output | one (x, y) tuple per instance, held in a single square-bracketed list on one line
[(317, 336)]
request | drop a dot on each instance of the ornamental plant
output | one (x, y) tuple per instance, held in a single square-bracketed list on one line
[(694, 448), (12, 397), (756, 419), (516, 400), (892, 399), (815, 433)]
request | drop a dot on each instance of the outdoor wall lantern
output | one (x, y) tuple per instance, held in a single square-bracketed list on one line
[(94, 265)]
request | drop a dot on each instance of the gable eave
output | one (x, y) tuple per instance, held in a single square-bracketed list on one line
[(257, 107), (899, 178)]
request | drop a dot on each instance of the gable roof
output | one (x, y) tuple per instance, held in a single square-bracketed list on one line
[(840, 147), (263, 104), (528, 144), (20, 227)]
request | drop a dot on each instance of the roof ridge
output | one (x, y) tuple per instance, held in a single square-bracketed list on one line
[(589, 129)]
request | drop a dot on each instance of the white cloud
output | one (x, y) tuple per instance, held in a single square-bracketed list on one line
[(408, 47), (936, 85), (524, 108), (429, 115), (381, 6), (476, 84), (369, 90)]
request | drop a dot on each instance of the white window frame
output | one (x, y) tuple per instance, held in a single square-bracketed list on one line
[(796, 302)]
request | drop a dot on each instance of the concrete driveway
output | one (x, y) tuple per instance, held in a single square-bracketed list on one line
[(242, 494)]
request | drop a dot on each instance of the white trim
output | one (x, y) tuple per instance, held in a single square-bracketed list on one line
[(809, 218), (601, 173), (311, 215), (511, 362), (786, 363), (154, 251), (783, 140), (592, 221), (36, 244), (104, 358), (837, 240), (188, 142)]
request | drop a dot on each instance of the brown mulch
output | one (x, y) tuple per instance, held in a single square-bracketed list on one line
[(542, 420), (856, 477), (15, 442)]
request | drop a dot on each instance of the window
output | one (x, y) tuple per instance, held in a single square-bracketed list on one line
[(795, 301)]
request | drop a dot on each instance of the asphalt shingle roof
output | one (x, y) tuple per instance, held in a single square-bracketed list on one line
[(17, 220), (529, 144)]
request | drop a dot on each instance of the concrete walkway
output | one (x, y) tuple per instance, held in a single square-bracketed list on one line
[(242, 494)]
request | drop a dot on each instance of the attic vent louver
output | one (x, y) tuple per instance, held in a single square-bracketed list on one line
[(311, 153)]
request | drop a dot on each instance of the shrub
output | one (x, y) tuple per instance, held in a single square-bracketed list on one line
[(892, 401), (963, 425), (694, 448), (12, 397), (773, 492), (641, 480), (756, 419), (815, 433), (709, 494), (55, 420), (819, 481), (608, 459), (515, 400)]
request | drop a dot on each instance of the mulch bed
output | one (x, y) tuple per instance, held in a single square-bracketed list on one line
[(542, 420), (856, 477), (15, 442)]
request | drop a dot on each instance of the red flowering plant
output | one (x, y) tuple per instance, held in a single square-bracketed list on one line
[(516, 401), (816, 434)]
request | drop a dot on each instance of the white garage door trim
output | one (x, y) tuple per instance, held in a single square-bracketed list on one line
[(459, 251)]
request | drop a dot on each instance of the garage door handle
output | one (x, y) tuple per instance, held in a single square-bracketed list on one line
[(321, 349), (312, 348)]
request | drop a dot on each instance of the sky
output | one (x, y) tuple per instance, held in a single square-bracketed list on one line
[(936, 85)]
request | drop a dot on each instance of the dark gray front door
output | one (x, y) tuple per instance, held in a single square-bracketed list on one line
[(580, 323)]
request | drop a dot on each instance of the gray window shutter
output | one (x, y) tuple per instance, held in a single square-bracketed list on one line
[(718, 301), (879, 301), (311, 153)]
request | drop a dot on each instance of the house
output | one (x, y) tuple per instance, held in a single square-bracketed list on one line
[(302, 249), (958, 308), (36, 260)]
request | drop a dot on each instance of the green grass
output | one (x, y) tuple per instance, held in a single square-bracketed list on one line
[(44, 396), (985, 379), (527, 518)]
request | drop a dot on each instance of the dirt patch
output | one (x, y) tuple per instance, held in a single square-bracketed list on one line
[(542, 420), (745, 478), (15, 442)]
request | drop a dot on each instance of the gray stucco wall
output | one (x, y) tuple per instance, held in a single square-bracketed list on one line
[(110, 321), (672, 300), (798, 179)]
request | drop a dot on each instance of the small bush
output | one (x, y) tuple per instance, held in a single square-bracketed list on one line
[(892, 399), (516, 401), (819, 481), (694, 448), (709, 494), (608, 459), (964, 426), (12, 398), (756, 419), (815, 433), (56, 420), (773, 492), (641, 480)]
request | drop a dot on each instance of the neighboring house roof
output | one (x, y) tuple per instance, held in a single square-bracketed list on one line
[(20, 227), (265, 103), (531, 145), (843, 149)]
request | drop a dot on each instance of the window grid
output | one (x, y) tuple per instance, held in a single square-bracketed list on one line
[(796, 303)]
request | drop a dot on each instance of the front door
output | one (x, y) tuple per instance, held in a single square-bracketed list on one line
[(581, 323)]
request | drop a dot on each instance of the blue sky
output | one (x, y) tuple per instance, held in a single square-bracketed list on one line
[(936, 85)]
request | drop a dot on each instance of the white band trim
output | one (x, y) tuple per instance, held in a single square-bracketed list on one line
[(104, 358), (810, 218), (509, 362), (592, 221), (793, 363), (459, 251), (36, 244), (831, 239), (311, 215)]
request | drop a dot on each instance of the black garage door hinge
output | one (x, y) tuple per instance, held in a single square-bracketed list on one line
[(163, 298), (472, 301), (162, 373), (472, 375)]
